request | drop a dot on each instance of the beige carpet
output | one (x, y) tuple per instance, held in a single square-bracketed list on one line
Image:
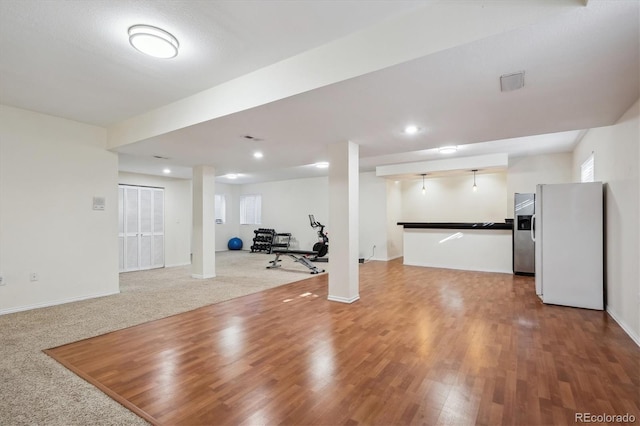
[(35, 389)]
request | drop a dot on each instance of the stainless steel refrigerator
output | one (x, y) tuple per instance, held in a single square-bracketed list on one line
[(568, 230), (523, 244)]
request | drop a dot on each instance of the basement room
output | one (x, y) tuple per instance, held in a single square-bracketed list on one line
[(319, 212)]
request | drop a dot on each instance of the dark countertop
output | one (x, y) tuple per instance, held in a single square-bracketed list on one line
[(456, 225)]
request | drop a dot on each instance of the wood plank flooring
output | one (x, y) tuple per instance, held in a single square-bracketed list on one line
[(421, 346)]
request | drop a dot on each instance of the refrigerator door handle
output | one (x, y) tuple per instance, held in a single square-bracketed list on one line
[(533, 228)]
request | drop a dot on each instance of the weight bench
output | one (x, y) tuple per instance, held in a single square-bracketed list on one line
[(298, 256)]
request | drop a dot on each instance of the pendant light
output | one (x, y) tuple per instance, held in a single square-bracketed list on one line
[(475, 187), (423, 188)]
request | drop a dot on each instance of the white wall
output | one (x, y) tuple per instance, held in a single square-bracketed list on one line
[(373, 217), (50, 170), (231, 227), (616, 160), (451, 199), (286, 206), (526, 172), (177, 214), (394, 215)]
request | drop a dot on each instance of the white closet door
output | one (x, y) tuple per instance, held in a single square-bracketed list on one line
[(121, 235), (141, 228), (131, 228), (146, 229), (158, 229)]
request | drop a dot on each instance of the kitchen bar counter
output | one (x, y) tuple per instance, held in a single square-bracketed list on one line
[(481, 246), (456, 225)]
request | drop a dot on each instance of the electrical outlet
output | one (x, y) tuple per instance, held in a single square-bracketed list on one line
[(33, 276)]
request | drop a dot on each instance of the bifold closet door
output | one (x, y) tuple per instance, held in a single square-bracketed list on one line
[(141, 228), (157, 260)]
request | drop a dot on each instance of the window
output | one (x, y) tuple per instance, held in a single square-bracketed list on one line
[(586, 170), (251, 210), (221, 208)]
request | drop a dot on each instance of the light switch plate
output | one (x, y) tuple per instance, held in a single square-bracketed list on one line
[(98, 203)]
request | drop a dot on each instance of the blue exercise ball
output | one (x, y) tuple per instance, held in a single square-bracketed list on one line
[(235, 244)]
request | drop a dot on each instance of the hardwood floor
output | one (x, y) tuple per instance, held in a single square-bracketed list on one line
[(421, 346)]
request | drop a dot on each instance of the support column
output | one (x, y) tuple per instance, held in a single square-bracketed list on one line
[(344, 222), (203, 263)]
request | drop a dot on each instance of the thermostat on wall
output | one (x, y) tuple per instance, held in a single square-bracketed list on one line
[(98, 203)]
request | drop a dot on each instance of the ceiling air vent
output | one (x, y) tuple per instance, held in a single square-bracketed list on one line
[(512, 81)]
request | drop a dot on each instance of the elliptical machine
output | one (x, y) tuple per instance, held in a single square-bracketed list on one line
[(322, 246)]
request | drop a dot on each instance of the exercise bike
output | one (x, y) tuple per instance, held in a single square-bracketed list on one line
[(322, 246)]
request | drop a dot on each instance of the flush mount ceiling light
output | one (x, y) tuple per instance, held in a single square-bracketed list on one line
[(450, 149), (257, 154), (231, 176), (153, 41), (166, 171), (411, 129), (513, 81), (322, 165)]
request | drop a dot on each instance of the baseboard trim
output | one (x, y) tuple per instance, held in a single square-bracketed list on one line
[(202, 277), (384, 259), (426, 265), (175, 265), (343, 299), (54, 303), (617, 318)]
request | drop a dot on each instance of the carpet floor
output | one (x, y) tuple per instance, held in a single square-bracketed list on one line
[(35, 389)]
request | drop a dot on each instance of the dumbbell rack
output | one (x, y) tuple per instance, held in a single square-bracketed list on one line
[(262, 240), (266, 239)]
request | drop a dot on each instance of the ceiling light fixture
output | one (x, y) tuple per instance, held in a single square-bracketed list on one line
[(424, 190), (475, 187), (153, 41), (231, 176), (411, 130), (257, 154), (166, 171), (322, 165), (449, 149)]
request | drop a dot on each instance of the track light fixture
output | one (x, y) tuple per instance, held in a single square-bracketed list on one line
[(475, 187)]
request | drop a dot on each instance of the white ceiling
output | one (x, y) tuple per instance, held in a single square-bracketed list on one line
[(582, 71), (73, 59)]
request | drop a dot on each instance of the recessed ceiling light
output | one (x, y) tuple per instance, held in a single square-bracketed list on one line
[(153, 41), (450, 149), (258, 154), (411, 130), (322, 165), (231, 176), (166, 171)]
